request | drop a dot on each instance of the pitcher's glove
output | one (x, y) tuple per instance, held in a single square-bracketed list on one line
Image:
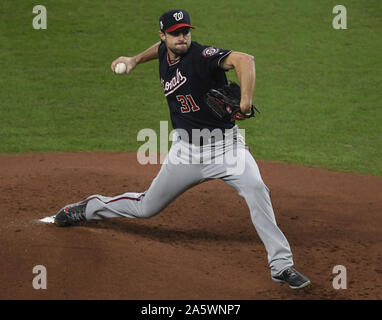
[(225, 103)]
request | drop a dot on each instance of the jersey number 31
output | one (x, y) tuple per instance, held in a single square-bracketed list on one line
[(187, 103)]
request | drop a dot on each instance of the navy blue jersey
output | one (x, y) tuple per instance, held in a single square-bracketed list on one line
[(185, 83)]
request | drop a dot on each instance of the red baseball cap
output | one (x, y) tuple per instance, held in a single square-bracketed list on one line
[(174, 19)]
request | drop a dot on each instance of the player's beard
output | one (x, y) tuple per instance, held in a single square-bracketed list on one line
[(179, 52)]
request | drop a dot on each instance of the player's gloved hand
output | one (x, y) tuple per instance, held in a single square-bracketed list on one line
[(225, 103), (130, 63)]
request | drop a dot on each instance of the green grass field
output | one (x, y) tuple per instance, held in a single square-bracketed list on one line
[(319, 89)]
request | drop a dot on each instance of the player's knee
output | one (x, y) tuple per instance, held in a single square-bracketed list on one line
[(148, 212), (257, 185)]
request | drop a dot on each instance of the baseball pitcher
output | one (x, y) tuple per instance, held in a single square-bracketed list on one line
[(206, 143)]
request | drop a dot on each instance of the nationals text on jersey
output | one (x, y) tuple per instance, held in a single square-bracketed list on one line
[(177, 81)]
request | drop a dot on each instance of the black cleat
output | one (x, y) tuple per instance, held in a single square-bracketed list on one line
[(71, 214), (295, 279)]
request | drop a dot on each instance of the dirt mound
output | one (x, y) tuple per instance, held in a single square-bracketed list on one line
[(202, 246)]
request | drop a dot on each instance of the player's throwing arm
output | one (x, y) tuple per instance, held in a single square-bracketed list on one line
[(131, 62)]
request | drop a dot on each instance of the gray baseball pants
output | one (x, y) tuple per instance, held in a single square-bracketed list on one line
[(187, 165)]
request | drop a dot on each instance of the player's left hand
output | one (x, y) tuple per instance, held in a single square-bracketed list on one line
[(225, 103)]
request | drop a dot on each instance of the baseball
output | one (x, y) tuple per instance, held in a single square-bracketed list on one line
[(120, 68)]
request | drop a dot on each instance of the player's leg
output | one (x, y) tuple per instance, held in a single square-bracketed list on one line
[(243, 174), (251, 187), (171, 181), (235, 165)]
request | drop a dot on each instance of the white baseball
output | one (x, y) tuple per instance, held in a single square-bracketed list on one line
[(120, 68)]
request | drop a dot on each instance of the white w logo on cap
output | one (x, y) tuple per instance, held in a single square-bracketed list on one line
[(178, 15)]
